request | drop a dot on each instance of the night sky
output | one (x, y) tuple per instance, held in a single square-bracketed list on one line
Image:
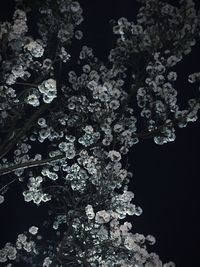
[(165, 178)]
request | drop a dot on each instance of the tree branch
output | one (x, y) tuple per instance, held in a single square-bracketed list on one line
[(8, 145), (29, 164)]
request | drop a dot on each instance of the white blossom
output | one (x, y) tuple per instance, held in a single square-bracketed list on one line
[(89, 212), (93, 112), (48, 89), (47, 262), (102, 216), (75, 6), (35, 49), (114, 155), (33, 100), (33, 230)]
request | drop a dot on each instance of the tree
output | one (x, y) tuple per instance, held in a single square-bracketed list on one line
[(68, 121)]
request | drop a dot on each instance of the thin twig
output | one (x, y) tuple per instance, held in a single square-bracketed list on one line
[(1, 189), (7, 145), (29, 164)]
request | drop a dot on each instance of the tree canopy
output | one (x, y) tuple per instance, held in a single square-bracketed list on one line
[(69, 119)]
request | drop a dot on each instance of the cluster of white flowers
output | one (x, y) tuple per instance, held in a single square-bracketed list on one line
[(92, 165), (93, 115), (33, 100), (8, 252), (64, 55), (102, 216), (68, 16), (51, 175), (48, 89), (35, 48), (114, 155), (77, 176), (47, 262), (120, 237), (45, 132), (194, 77), (60, 219), (34, 193), (68, 148), (121, 204), (86, 52), (19, 28), (90, 137), (138, 37), (89, 212), (18, 71)]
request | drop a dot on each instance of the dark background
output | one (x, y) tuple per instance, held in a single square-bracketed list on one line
[(165, 178)]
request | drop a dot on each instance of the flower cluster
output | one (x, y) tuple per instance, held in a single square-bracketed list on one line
[(8, 252), (60, 219), (61, 17), (92, 165), (64, 55), (68, 148), (33, 100), (89, 212), (23, 243), (48, 90), (35, 49), (47, 262), (114, 156), (121, 238), (18, 29), (34, 192), (91, 124), (77, 176), (121, 204), (90, 137)]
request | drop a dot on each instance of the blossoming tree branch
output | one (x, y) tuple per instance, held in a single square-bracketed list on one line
[(68, 120)]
